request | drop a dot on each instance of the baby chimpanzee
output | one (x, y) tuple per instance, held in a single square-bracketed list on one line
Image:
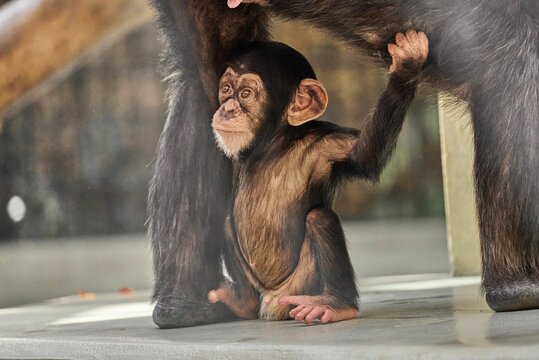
[(285, 246)]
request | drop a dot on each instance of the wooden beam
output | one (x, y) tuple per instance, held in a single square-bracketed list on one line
[(40, 37), (459, 191)]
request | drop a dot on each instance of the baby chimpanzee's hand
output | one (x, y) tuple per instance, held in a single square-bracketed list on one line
[(310, 308), (409, 53)]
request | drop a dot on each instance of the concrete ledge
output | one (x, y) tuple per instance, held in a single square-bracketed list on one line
[(447, 322), (35, 270)]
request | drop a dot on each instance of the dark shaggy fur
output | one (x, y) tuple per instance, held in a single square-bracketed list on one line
[(285, 234), (490, 49), (192, 180), (486, 51)]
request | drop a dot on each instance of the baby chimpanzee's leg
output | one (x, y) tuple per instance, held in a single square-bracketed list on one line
[(337, 298), (322, 286), (244, 308)]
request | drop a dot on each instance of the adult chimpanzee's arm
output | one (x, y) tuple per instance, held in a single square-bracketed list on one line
[(192, 180)]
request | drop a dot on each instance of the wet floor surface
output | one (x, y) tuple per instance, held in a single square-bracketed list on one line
[(426, 316)]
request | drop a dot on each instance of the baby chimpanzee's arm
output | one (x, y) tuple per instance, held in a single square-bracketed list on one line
[(378, 138), (367, 151)]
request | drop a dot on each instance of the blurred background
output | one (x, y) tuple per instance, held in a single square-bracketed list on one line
[(76, 156)]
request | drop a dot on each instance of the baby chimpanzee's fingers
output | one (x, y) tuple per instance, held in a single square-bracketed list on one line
[(424, 44), (400, 39), (327, 317), (315, 314), (392, 48), (411, 35), (301, 315), (213, 297), (223, 295), (296, 310), (396, 51), (423, 39)]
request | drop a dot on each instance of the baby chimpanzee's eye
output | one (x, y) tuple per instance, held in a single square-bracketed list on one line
[(226, 88), (245, 93)]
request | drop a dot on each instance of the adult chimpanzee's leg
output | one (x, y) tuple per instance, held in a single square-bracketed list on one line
[(192, 180), (506, 127), (493, 49), (189, 175), (488, 49), (507, 193)]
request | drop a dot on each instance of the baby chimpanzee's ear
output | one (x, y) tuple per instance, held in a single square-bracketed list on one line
[(309, 103)]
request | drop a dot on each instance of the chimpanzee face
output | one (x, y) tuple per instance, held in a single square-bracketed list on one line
[(243, 99)]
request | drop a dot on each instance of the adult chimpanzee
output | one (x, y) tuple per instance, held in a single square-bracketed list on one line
[(290, 248), (485, 51)]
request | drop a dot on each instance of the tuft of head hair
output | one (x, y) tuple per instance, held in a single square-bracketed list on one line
[(280, 67)]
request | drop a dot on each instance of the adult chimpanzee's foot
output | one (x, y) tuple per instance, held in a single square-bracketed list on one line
[(520, 295), (181, 311)]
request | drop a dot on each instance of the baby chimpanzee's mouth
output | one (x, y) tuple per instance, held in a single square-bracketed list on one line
[(234, 3)]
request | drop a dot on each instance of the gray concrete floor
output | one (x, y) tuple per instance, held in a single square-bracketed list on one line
[(419, 313), (424, 317)]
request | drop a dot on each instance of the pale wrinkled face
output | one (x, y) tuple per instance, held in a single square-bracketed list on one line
[(243, 100)]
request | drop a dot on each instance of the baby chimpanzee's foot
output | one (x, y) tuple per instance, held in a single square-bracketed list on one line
[(310, 308), (247, 309)]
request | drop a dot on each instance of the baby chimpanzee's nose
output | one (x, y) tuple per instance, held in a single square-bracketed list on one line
[(230, 109)]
